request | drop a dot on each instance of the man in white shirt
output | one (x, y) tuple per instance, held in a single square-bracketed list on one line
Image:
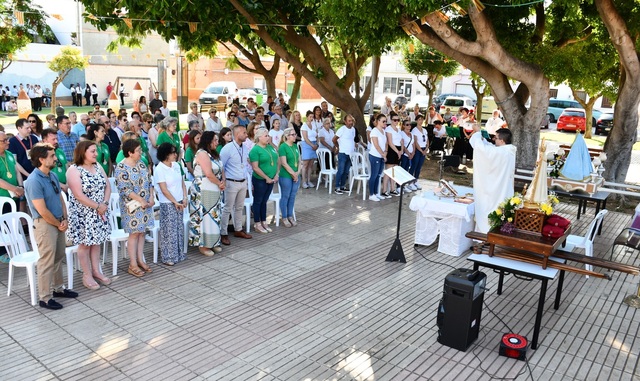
[(164, 109), (345, 141), (494, 123)]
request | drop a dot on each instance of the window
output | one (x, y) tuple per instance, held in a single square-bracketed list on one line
[(390, 85), (606, 102), (553, 93), (582, 95)]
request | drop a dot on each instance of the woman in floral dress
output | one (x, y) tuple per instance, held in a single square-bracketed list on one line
[(134, 184), (205, 197), (88, 212)]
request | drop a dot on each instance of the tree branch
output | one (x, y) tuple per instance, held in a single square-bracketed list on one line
[(620, 37)]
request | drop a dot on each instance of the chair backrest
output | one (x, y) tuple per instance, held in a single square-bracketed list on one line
[(12, 233), (249, 186), (324, 158), (595, 225), (8, 200), (359, 164), (112, 184), (114, 206)]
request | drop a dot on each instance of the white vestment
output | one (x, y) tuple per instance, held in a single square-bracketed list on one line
[(493, 173)]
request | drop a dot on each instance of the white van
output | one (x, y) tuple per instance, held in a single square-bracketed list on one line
[(488, 105), (214, 90)]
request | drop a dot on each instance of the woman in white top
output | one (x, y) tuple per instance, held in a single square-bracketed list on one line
[(275, 134), (394, 151), (416, 111), (309, 146), (420, 145), (325, 135), (171, 191), (377, 156), (214, 123), (195, 115)]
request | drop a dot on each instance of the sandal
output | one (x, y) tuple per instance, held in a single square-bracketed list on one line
[(105, 281), (135, 271), (145, 267), (286, 222), (206, 252), (91, 287), (293, 221), (259, 228), (168, 263), (266, 227)]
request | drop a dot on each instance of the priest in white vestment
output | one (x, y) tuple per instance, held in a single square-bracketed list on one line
[(493, 173)]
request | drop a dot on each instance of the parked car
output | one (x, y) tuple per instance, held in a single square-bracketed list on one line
[(556, 106), (572, 119), (217, 91), (454, 103), (604, 123), (439, 99), (422, 101), (545, 122), (245, 94), (401, 100), (488, 105)]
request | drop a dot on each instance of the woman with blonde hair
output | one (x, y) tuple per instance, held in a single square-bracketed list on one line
[(295, 122), (289, 158)]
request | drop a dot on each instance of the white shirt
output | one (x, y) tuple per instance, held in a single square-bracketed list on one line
[(382, 142), (493, 124), (164, 111), (441, 132), (346, 136), (396, 138), (312, 132), (328, 137), (407, 142), (213, 125), (172, 178), (421, 137), (276, 136)]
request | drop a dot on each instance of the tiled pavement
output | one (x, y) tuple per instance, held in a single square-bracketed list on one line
[(318, 302)]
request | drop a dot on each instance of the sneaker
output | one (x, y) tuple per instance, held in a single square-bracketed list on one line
[(418, 187), (394, 193), (338, 191), (305, 185), (373, 197), (408, 189), (344, 189), (310, 184), (385, 195)]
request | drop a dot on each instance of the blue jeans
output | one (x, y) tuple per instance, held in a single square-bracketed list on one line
[(416, 164), (377, 166), (405, 162), (344, 164), (288, 191), (261, 193)]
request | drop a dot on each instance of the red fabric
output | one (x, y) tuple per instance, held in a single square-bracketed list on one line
[(556, 220), (552, 231)]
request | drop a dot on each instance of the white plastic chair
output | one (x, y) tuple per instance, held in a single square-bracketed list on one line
[(70, 251), (117, 235), (275, 197), (17, 249), (325, 159), (586, 242), (248, 202), (4, 241), (186, 219), (360, 173)]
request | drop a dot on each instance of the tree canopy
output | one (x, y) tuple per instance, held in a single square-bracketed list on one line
[(68, 59), (19, 21), (423, 61)]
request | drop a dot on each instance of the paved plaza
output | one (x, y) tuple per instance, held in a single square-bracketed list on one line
[(319, 302)]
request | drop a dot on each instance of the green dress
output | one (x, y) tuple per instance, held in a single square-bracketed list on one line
[(103, 157)]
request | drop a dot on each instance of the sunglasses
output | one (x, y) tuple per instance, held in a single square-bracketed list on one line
[(383, 120), (55, 187), (395, 120)]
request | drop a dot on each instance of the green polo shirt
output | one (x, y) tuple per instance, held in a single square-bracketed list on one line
[(267, 159), (8, 171), (173, 139), (61, 168), (189, 155), (120, 157), (103, 157), (293, 158)]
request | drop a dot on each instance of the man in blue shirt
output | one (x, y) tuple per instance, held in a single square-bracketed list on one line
[(234, 157), (67, 140), (243, 117), (50, 222), (80, 128)]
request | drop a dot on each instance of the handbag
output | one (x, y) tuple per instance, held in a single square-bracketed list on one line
[(133, 205)]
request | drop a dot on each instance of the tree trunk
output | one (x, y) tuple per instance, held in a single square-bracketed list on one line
[(54, 87), (271, 85), (295, 91), (588, 111), (619, 143)]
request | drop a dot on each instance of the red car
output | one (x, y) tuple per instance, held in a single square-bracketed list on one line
[(572, 119)]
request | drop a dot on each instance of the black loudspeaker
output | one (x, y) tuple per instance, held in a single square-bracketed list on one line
[(460, 309)]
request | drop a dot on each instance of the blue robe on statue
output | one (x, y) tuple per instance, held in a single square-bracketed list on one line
[(578, 164)]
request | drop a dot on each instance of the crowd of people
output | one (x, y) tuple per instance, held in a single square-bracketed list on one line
[(203, 178)]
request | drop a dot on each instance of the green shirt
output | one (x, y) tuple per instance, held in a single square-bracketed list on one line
[(8, 171), (267, 159), (120, 157), (165, 138), (61, 168), (189, 155), (219, 148), (293, 158), (103, 157)]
